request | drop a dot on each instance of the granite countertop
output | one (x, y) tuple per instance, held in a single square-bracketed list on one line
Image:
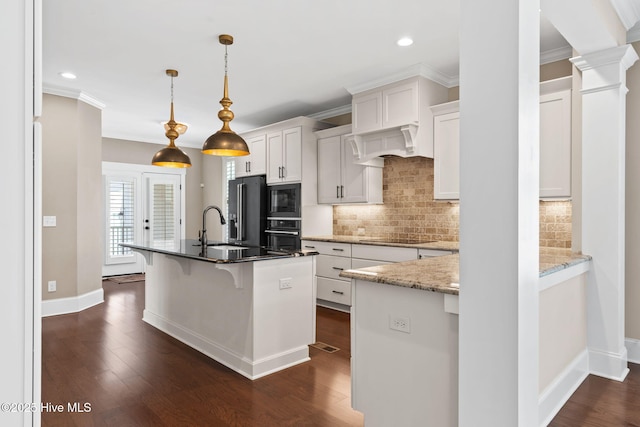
[(220, 252), (441, 274), (385, 241)]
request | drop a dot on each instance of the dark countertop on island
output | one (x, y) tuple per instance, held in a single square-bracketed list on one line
[(219, 252)]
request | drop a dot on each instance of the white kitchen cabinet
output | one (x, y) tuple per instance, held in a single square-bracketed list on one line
[(333, 291), (555, 144), (284, 156), (446, 152), (390, 106), (256, 162), (340, 180)]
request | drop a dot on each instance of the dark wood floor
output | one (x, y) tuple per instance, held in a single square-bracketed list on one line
[(134, 375)]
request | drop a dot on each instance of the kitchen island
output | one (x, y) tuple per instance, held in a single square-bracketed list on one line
[(404, 337), (250, 308)]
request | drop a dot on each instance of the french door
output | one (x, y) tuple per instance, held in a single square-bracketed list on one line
[(139, 207)]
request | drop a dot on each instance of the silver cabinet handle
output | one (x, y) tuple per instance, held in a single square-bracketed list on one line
[(283, 172), (292, 233), (338, 292), (337, 191), (338, 268), (337, 249), (249, 163), (309, 247), (342, 191)]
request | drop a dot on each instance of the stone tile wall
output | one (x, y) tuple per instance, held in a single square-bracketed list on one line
[(409, 211)]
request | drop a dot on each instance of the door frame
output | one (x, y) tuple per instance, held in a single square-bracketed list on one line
[(131, 169)]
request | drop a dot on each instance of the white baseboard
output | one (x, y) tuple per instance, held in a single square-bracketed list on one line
[(560, 390), (252, 369), (54, 307), (609, 365), (633, 350)]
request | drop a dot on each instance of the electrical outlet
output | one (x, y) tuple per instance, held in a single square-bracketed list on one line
[(52, 285), (285, 283), (399, 323)]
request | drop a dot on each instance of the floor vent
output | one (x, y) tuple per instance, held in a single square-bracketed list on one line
[(325, 347)]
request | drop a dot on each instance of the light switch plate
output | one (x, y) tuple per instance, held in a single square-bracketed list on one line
[(48, 221)]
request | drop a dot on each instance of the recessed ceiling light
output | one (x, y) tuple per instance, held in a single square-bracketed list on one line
[(68, 75), (405, 41)]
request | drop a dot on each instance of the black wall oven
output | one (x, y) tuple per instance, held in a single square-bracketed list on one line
[(283, 233)]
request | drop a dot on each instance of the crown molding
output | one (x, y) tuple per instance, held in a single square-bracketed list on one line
[(74, 94), (333, 112), (628, 11), (554, 55), (413, 71), (633, 35)]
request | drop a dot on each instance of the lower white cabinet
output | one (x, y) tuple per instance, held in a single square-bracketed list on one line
[(334, 291)]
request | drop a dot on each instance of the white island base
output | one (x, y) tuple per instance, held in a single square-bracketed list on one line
[(253, 317)]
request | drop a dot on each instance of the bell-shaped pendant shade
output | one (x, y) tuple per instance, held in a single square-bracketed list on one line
[(225, 142), (171, 156)]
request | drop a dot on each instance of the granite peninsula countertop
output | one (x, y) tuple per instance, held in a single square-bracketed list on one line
[(441, 274), (219, 252), (387, 241)]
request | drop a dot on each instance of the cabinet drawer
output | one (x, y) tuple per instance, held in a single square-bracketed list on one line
[(384, 253), (334, 290), (328, 248), (330, 266)]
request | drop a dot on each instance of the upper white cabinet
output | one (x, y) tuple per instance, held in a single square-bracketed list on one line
[(395, 119), (256, 162), (284, 156), (555, 143), (340, 180)]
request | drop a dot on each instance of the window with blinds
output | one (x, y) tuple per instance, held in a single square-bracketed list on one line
[(121, 216), (163, 215), (229, 174)]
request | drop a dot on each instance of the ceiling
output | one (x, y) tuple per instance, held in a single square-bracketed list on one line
[(289, 58)]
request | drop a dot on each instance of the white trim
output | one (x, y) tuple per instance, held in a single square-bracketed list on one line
[(633, 349), (628, 11), (556, 394), (247, 368), (54, 307), (333, 112), (609, 365), (561, 276), (75, 94), (555, 55)]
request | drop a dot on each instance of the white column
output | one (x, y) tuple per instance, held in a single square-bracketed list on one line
[(603, 203), (499, 158)]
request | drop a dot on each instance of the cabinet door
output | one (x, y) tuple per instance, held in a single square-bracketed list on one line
[(354, 177), (446, 156), (274, 158), (367, 112), (242, 165), (292, 155), (329, 176), (400, 104), (258, 157), (555, 144)]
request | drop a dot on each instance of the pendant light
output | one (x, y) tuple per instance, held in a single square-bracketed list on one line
[(171, 156), (225, 142)]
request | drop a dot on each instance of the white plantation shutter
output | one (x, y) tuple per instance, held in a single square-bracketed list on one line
[(121, 202), (164, 227)]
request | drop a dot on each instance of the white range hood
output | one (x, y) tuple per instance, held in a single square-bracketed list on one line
[(395, 119)]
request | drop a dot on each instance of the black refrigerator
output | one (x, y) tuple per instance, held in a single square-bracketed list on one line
[(248, 210)]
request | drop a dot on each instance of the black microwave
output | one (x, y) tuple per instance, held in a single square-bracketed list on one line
[(284, 200)]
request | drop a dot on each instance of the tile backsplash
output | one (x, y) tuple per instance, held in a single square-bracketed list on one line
[(409, 211)]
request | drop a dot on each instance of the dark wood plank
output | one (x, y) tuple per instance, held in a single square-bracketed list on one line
[(135, 375)]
